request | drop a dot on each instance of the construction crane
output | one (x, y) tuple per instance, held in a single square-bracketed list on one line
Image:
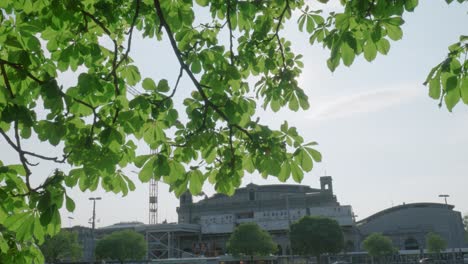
[(153, 184), (153, 200)]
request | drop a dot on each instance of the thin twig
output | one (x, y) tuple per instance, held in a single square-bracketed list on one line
[(7, 82), (181, 72)]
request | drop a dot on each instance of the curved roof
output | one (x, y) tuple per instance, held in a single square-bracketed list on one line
[(403, 207)]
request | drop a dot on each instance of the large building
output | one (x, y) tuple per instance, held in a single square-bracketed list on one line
[(272, 207), (204, 227)]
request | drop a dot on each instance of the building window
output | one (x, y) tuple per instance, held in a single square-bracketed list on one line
[(411, 244), (245, 215), (251, 195)]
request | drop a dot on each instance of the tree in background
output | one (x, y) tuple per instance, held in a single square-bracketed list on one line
[(122, 246), (378, 245), (435, 243), (63, 246), (465, 224), (215, 134), (314, 236), (250, 240)]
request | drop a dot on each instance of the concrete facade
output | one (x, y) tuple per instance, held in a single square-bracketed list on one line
[(272, 207)]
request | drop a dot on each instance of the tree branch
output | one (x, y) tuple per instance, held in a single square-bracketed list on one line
[(130, 34), (116, 49), (20, 67), (7, 82), (228, 18), (280, 21), (23, 159), (12, 144), (197, 84)]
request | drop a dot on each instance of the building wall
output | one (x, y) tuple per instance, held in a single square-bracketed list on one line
[(272, 207)]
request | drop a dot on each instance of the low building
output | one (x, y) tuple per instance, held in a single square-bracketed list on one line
[(408, 224)]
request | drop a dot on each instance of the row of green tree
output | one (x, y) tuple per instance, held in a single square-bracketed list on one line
[(310, 236), (315, 236), (120, 245)]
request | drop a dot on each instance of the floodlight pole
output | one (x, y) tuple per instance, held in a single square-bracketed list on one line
[(94, 199), (445, 197)]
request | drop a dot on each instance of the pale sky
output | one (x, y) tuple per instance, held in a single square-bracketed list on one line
[(383, 140)]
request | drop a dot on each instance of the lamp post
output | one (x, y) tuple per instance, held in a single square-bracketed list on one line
[(70, 218), (93, 223), (94, 199), (445, 197)]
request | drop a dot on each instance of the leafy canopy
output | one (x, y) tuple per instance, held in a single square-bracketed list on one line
[(314, 235), (215, 137), (62, 247), (435, 243), (250, 240), (122, 246), (378, 245)]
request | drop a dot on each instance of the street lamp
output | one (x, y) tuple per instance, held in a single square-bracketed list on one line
[(70, 218), (444, 196), (94, 199)]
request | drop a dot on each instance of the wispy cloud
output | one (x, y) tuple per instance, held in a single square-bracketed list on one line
[(364, 102)]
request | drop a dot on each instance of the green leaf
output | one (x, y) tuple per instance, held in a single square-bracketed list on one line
[(434, 87), (272, 166), (317, 156), (284, 172), (38, 230), (202, 2), (131, 74), (141, 160), (394, 32), (146, 173), (464, 89), (452, 97), (305, 160), (293, 103), (310, 25), (410, 5), (148, 84), (370, 50), (383, 46), (248, 164), (333, 63), (450, 82), (297, 173), (196, 181), (163, 86), (196, 66), (70, 204), (347, 54)]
